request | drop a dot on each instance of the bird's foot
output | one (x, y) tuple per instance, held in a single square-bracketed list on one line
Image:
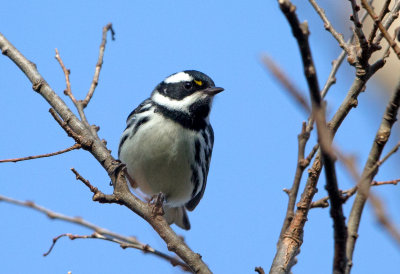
[(157, 202)]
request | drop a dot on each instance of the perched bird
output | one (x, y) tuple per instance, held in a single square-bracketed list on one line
[(168, 142)]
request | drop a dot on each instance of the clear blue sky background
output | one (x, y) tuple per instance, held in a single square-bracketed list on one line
[(237, 223)]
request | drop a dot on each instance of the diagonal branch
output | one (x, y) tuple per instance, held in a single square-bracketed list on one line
[(328, 26), (75, 146), (384, 11), (301, 32), (362, 40), (377, 21), (286, 82), (99, 232), (370, 170), (99, 63), (67, 72), (302, 163), (388, 21)]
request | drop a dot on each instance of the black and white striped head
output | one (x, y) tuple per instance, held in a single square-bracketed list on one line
[(189, 91)]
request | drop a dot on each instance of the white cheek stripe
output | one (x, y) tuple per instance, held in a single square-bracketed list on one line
[(182, 105), (178, 77)]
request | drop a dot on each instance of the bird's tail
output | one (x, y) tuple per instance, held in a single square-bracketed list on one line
[(178, 216)]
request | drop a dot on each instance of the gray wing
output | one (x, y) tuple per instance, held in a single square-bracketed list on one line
[(208, 135)]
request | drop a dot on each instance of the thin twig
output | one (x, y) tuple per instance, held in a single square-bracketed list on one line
[(86, 143), (390, 182), (100, 233), (75, 146), (259, 270), (286, 82), (378, 207), (328, 26), (99, 63), (365, 53), (391, 16), (302, 139), (383, 218), (378, 22), (384, 11), (323, 202), (79, 177), (67, 72)]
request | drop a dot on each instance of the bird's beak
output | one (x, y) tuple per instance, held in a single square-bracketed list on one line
[(212, 90)]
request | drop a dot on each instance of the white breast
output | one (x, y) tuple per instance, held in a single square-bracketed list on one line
[(158, 158)]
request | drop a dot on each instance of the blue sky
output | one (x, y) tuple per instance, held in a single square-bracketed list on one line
[(237, 223)]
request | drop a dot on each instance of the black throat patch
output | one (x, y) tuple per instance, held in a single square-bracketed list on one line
[(190, 121)]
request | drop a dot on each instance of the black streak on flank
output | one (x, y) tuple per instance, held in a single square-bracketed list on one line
[(197, 151), (205, 137), (121, 143), (195, 180), (138, 124)]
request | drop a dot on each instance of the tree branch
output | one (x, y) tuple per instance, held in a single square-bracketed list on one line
[(75, 146), (301, 33), (391, 16), (377, 21), (99, 232), (293, 192), (328, 26), (370, 170), (384, 11), (383, 219), (99, 63), (289, 246), (67, 72), (286, 83)]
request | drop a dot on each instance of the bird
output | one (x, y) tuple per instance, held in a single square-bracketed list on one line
[(168, 141)]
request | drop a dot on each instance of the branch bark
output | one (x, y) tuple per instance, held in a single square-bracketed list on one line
[(301, 33), (99, 232), (369, 172)]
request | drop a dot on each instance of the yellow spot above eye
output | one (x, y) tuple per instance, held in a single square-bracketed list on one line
[(198, 82)]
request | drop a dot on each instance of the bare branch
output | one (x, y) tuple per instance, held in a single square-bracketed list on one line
[(370, 170), (380, 183), (383, 219), (99, 64), (75, 146), (365, 53), (384, 11), (323, 202), (286, 83), (259, 270), (378, 22), (328, 26), (99, 232), (301, 165), (391, 16), (86, 143), (67, 72), (300, 32)]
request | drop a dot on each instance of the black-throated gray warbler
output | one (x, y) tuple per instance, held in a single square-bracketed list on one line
[(168, 142)]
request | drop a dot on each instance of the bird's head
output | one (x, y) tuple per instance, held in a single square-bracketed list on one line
[(188, 91)]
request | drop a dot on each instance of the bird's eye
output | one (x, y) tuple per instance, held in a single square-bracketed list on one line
[(188, 85)]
